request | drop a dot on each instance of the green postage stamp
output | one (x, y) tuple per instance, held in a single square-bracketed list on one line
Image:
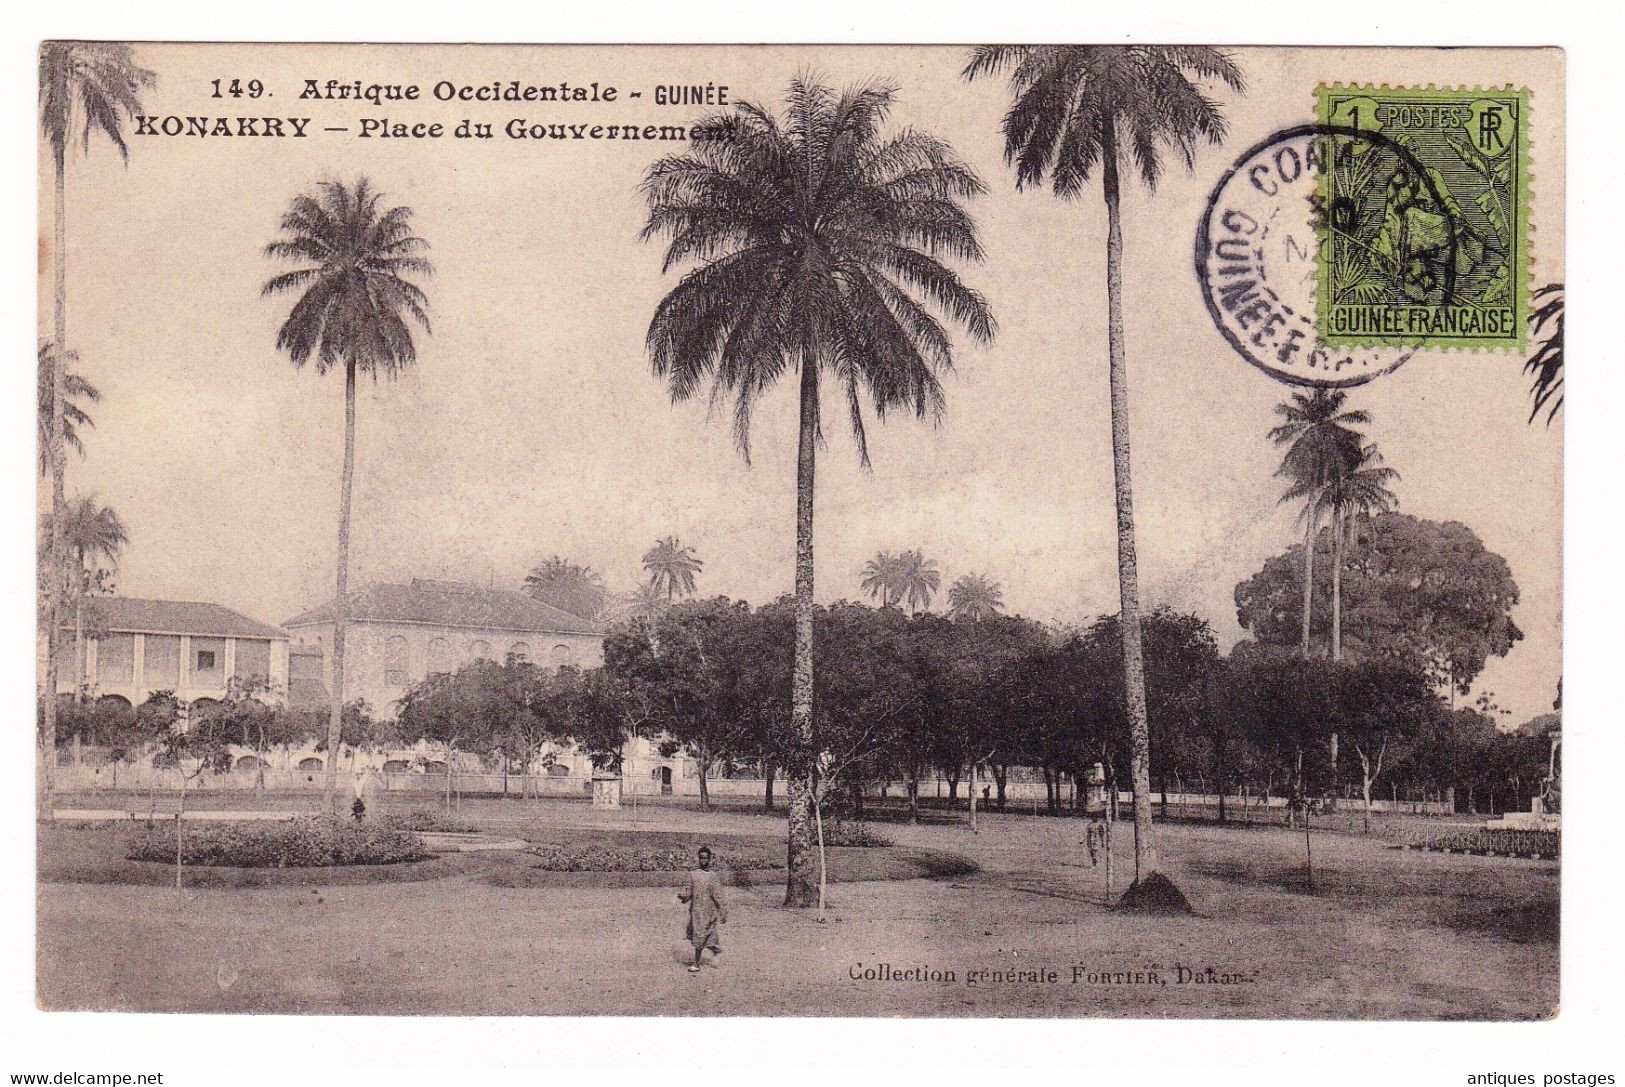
[(1425, 220)]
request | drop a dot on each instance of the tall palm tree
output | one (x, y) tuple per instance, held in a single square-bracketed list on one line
[(1078, 109), (1321, 444), (817, 243), (879, 579), (1357, 492), (671, 567), (76, 390), (354, 309), (917, 580), (975, 597), (92, 87), (95, 538)]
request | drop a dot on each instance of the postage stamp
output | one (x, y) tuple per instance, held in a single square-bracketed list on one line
[(1425, 225)]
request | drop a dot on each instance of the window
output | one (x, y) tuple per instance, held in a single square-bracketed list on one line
[(480, 651), (563, 656), (519, 651), (395, 661), (439, 656), (208, 661)]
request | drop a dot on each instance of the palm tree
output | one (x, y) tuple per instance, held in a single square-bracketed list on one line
[(645, 602), (671, 567), (975, 597), (1076, 109), (917, 580), (1359, 491), (94, 537), (1322, 445), (817, 244), (353, 309), (1545, 366), (92, 86), (573, 586), (879, 579), (75, 390)]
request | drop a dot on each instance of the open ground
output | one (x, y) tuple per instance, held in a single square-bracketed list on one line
[(1386, 933)]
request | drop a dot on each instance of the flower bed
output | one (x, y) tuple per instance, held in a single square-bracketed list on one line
[(609, 858), (1541, 844), (421, 821), (308, 842)]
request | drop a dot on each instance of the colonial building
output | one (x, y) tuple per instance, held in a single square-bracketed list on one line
[(399, 634), (132, 648)]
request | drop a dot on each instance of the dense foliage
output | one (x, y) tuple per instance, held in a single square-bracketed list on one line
[(308, 842)]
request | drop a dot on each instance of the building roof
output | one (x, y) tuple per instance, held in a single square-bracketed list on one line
[(124, 614), (453, 604)]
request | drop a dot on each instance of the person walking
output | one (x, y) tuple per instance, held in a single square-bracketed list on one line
[(706, 909)]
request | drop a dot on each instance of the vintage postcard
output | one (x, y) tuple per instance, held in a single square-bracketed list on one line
[(984, 530)]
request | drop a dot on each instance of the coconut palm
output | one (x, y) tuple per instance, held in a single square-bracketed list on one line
[(1545, 366), (76, 390), (671, 567), (645, 602), (84, 88), (817, 243), (355, 307), (879, 579), (1078, 109), (1357, 492), (917, 580), (1321, 445), (95, 538), (573, 586), (975, 597)]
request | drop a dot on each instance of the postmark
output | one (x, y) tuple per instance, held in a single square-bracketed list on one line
[(1429, 248), (1260, 246)]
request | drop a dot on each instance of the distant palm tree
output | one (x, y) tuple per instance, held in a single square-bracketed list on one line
[(1359, 491), (975, 597), (645, 602), (1076, 109), (95, 538), (1321, 445), (917, 580), (879, 579), (355, 307), (817, 243), (573, 586), (75, 390), (1546, 364), (93, 86), (671, 567)]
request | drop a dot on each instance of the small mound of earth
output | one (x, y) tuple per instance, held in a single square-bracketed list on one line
[(1155, 894)]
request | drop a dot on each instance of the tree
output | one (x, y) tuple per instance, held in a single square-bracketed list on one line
[(355, 308), (1380, 706), (471, 709), (1077, 108), (1545, 366), (572, 586), (818, 243), (917, 580), (975, 597), (1358, 492), (94, 537), (879, 579), (1321, 445), (76, 390), (671, 567), (93, 86), (1423, 593)]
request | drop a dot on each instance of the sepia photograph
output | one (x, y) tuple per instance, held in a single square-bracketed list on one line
[(895, 531)]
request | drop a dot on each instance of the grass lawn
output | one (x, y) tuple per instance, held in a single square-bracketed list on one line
[(1386, 933)]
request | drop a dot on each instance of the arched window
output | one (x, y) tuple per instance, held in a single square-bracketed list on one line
[(519, 651), (309, 763), (563, 656), (439, 656), (395, 661), (480, 650), (397, 766), (248, 762)]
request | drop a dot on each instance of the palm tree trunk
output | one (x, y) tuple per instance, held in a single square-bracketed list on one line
[(56, 561), (341, 603), (1309, 570), (1337, 611), (801, 886), (1128, 578)]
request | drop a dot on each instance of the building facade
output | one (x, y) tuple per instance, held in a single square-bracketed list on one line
[(397, 635), (132, 647)]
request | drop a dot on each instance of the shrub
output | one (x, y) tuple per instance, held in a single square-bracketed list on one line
[(603, 858), (307, 842), (420, 821), (854, 835), (1547, 843)]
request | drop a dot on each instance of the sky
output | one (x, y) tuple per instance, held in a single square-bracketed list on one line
[(532, 424)]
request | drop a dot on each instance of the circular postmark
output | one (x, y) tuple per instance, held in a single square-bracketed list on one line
[(1279, 235)]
